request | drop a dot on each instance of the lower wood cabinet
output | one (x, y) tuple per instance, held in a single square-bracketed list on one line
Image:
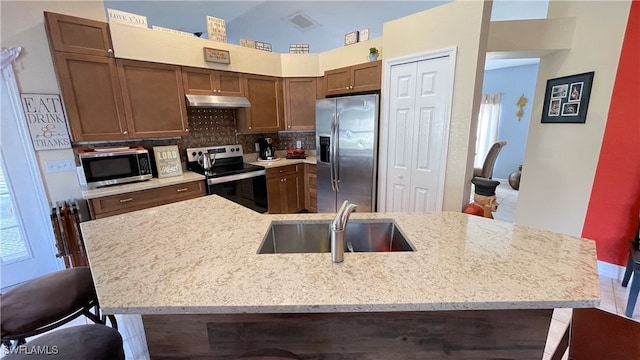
[(285, 189), (311, 187), (122, 203)]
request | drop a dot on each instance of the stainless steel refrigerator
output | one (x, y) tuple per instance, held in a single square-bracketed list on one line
[(347, 151)]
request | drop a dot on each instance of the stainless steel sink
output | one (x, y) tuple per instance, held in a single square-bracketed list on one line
[(314, 237)]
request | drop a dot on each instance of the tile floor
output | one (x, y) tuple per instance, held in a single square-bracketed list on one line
[(613, 298)]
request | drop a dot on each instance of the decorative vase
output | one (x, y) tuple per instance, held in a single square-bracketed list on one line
[(514, 178), (373, 57)]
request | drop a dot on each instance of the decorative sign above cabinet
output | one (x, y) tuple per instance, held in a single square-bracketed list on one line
[(127, 18), (46, 120), (217, 56)]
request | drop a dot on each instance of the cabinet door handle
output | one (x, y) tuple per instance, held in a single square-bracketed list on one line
[(182, 190), (110, 51), (126, 200), (125, 132), (186, 130), (219, 90)]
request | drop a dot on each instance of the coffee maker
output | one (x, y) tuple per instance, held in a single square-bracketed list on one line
[(266, 149)]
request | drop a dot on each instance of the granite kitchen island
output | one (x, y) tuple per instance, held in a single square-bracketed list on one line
[(474, 287)]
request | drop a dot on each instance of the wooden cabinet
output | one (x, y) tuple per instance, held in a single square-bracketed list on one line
[(300, 103), (77, 35), (138, 200), (311, 187), (92, 96), (83, 59), (153, 99), (109, 99), (266, 113), (353, 79), (285, 186), (212, 82)]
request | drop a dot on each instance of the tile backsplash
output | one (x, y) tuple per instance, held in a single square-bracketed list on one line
[(213, 127)]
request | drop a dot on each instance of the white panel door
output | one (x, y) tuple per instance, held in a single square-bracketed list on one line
[(419, 94), (401, 112)]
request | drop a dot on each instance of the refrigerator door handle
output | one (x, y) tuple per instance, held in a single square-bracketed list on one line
[(336, 152), (332, 153)]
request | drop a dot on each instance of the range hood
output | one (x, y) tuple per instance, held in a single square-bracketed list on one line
[(216, 101)]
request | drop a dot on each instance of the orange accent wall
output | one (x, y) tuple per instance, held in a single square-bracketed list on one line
[(614, 207)]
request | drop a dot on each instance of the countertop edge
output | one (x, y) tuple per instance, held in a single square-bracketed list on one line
[(355, 308)]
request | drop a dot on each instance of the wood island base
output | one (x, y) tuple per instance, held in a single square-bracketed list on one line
[(470, 334)]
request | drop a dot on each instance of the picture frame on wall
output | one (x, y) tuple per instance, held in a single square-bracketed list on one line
[(566, 99)]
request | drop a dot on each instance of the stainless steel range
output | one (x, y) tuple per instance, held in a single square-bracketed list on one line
[(228, 176)]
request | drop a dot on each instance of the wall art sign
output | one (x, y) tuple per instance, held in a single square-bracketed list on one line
[(350, 38), (46, 121), (216, 29), (566, 99), (363, 35), (263, 46), (167, 160), (127, 18), (248, 43), (217, 56), (298, 48), (172, 31)]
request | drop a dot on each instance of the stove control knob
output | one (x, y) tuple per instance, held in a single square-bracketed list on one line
[(237, 149), (232, 149), (193, 153)]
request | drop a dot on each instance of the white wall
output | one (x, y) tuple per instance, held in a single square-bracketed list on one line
[(22, 24), (560, 159), (437, 29)]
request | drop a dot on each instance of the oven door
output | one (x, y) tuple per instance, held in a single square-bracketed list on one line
[(248, 189)]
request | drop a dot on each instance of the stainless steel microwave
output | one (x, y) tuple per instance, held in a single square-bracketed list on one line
[(103, 168)]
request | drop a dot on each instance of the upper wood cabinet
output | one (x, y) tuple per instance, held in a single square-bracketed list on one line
[(153, 99), (300, 103), (109, 99), (77, 35), (353, 79), (212, 82), (266, 113), (92, 96)]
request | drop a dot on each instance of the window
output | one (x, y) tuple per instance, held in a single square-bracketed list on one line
[(487, 126)]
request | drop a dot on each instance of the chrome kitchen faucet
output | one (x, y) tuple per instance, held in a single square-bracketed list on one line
[(338, 227)]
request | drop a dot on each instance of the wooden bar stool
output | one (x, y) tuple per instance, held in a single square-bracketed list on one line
[(633, 269), (84, 342), (47, 302)]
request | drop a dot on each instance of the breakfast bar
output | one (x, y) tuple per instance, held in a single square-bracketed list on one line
[(474, 288)]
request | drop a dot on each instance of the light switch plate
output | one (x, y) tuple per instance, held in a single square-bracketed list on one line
[(298, 144), (60, 166)]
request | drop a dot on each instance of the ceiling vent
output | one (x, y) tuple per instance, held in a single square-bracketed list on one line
[(301, 21)]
